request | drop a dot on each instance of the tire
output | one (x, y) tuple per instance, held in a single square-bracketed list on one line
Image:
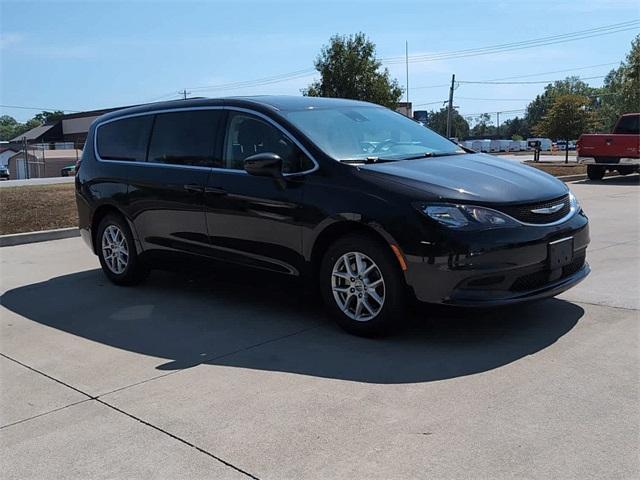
[(595, 172), (128, 270), (372, 318)]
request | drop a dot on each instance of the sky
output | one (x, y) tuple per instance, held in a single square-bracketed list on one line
[(84, 55)]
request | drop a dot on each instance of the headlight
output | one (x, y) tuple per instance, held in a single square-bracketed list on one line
[(575, 205), (459, 216)]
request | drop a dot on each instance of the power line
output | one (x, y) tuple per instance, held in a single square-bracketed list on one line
[(42, 109), (522, 83), (507, 47), (497, 99), (554, 71), (542, 41)]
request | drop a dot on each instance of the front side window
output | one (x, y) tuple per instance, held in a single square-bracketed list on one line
[(248, 135), (358, 132), (185, 138), (125, 139)]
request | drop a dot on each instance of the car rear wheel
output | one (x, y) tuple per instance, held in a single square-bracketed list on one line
[(117, 252), (362, 286), (595, 172)]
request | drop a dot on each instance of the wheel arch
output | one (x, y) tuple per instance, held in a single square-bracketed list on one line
[(101, 212), (339, 229)]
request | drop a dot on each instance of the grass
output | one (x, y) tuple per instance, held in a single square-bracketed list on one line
[(37, 207)]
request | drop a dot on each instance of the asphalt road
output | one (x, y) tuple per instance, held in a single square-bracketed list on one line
[(244, 377)]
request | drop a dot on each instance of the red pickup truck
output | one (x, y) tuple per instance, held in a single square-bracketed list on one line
[(619, 150)]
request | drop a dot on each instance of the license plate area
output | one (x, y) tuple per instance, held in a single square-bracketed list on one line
[(560, 253)]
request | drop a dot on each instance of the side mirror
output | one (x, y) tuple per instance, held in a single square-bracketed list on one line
[(264, 165)]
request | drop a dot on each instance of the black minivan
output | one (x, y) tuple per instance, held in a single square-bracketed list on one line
[(369, 204)]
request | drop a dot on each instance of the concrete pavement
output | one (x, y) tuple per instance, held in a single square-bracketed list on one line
[(236, 377), (36, 181)]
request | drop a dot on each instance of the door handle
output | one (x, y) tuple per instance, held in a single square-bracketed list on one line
[(215, 191), (193, 188)]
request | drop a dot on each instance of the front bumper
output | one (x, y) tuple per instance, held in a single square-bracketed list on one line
[(498, 267)]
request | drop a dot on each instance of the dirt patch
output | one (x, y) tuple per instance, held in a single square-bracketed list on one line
[(559, 169), (37, 207)]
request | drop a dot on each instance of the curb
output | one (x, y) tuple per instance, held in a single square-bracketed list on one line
[(571, 178), (40, 236)]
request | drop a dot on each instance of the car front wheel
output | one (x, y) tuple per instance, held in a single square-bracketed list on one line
[(362, 286)]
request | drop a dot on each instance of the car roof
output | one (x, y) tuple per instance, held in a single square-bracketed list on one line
[(273, 103)]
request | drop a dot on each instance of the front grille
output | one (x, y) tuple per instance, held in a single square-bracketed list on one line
[(539, 279), (524, 213)]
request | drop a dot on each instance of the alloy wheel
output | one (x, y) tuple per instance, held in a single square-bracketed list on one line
[(358, 286), (115, 250)]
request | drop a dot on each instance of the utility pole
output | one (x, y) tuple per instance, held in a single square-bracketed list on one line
[(498, 124), (406, 59), (450, 106), (184, 94)]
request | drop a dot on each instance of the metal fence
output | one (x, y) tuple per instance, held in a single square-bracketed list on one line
[(41, 160)]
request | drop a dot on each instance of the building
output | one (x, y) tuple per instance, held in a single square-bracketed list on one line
[(71, 129), (404, 108)]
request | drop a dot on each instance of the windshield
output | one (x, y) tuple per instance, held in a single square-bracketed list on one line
[(361, 132)]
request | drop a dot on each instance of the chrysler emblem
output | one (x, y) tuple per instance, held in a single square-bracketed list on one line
[(548, 210)]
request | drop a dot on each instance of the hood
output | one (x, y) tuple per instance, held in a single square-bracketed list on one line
[(473, 177)]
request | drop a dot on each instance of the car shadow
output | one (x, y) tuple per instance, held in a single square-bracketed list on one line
[(621, 180), (265, 322)]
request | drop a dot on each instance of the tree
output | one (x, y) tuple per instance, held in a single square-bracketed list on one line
[(484, 126), (515, 127), (621, 90), (48, 117), (568, 117), (437, 121), (349, 69), (11, 128), (540, 106)]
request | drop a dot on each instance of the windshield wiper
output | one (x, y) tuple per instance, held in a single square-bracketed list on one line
[(369, 160)]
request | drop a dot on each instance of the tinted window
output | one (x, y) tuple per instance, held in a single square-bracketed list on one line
[(358, 132), (248, 135), (184, 138), (125, 139), (629, 125)]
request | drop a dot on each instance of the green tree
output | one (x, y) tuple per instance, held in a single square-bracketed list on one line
[(11, 128), (47, 117), (621, 89), (540, 106), (568, 117), (515, 127), (349, 69), (437, 121), (483, 127)]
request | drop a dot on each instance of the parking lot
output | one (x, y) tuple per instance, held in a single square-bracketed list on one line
[(240, 376)]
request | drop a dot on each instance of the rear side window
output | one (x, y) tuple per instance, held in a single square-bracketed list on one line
[(185, 138), (629, 125), (125, 139)]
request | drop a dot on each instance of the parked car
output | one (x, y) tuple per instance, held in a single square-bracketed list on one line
[(68, 171), (290, 185), (613, 151), (4, 172)]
